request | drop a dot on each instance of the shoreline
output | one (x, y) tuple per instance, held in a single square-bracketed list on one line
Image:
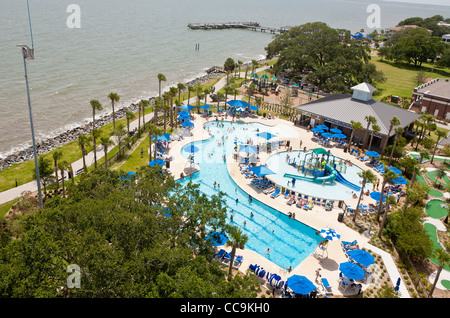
[(48, 144)]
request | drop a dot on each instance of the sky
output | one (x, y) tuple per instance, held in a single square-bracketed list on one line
[(430, 2)]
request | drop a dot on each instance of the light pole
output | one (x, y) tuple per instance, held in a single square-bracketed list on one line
[(28, 54)]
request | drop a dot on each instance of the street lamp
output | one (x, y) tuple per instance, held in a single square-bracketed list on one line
[(28, 54)]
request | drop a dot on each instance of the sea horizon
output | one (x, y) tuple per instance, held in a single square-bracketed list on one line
[(121, 47)]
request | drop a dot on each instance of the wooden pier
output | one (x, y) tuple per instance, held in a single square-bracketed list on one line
[(253, 26)]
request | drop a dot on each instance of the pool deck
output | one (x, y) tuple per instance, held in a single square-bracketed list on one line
[(316, 218)]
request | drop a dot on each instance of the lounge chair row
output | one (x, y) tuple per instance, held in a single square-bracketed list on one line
[(225, 258), (303, 201), (274, 280)]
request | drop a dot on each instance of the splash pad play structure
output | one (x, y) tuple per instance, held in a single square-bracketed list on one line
[(320, 166)]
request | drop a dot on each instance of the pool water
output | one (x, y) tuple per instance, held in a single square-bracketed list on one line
[(289, 241)]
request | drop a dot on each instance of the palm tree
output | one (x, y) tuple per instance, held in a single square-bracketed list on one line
[(69, 166), (106, 143), (394, 122), (255, 64), (426, 121), (199, 92), (173, 92), (440, 135), (251, 89), (151, 132), (443, 260), (181, 87), (398, 132), (64, 165), (143, 103), (423, 154), (83, 142), (114, 97), (388, 176), (130, 116), (161, 78), (57, 154), (356, 125), (95, 136), (166, 109), (206, 92), (371, 120), (191, 89), (367, 177), (157, 131), (156, 107), (95, 104), (239, 63), (229, 66), (120, 134), (375, 130), (237, 239), (220, 95), (390, 200)]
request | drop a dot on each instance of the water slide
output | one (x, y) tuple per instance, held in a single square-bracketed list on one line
[(341, 179), (332, 174)]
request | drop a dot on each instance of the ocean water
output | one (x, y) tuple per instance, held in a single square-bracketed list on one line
[(121, 46)]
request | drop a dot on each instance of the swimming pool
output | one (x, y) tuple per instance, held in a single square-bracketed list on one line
[(289, 241)]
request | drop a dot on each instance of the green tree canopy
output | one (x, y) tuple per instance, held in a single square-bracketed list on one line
[(130, 239), (328, 56)]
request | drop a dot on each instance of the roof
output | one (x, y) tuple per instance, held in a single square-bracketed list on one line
[(436, 87), (344, 109), (365, 87), (402, 27)]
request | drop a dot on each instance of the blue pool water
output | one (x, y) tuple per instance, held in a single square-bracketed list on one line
[(289, 241)]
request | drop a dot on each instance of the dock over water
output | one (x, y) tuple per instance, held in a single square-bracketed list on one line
[(253, 26)]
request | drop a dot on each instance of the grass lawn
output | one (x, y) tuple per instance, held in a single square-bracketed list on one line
[(400, 77)]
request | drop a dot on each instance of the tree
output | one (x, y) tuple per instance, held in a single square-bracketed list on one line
[(398, 132), (56, 155), (161, 78), (237, 239), (356, 125), (441, 134), (64, 165), (199, 93), (388, 176), (120, 134), (173, 92), (375, 130), (191, 89), (390, 200), (45, 172), (114, 97), (416, 47), (239, 64), (95, 104), (83, 142), (143, 103), (367, 177), (443, 259), (229, 66), (130, 116), (95, 136), (371, 120), (156, 107), (395, 121), (106, 143)]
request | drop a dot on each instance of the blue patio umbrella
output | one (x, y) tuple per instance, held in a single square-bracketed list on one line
[(362, 257), (191, 148), (163, 137), (372, 154), (400, 180), (317, 130), (187, 124), (327, 135), (130, 174), (324, 127), (330, 234), (355, 36), (217, 239), (266, 135), (205, 106), (183, 112), (395, 170), (336, 130), (359, 34), (339, 136), (253, 108), (184, 117), (376, 196), (300, 284), (248, 148), (186, 107), (351, 270), (238, 103), (157, 161), (261, 171)]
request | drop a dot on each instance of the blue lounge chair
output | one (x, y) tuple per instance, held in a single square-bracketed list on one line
[(276, 193), (286, 194), (220, 254), (326, 286)]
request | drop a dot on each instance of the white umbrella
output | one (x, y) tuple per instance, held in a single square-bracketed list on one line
[(330, 234)]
